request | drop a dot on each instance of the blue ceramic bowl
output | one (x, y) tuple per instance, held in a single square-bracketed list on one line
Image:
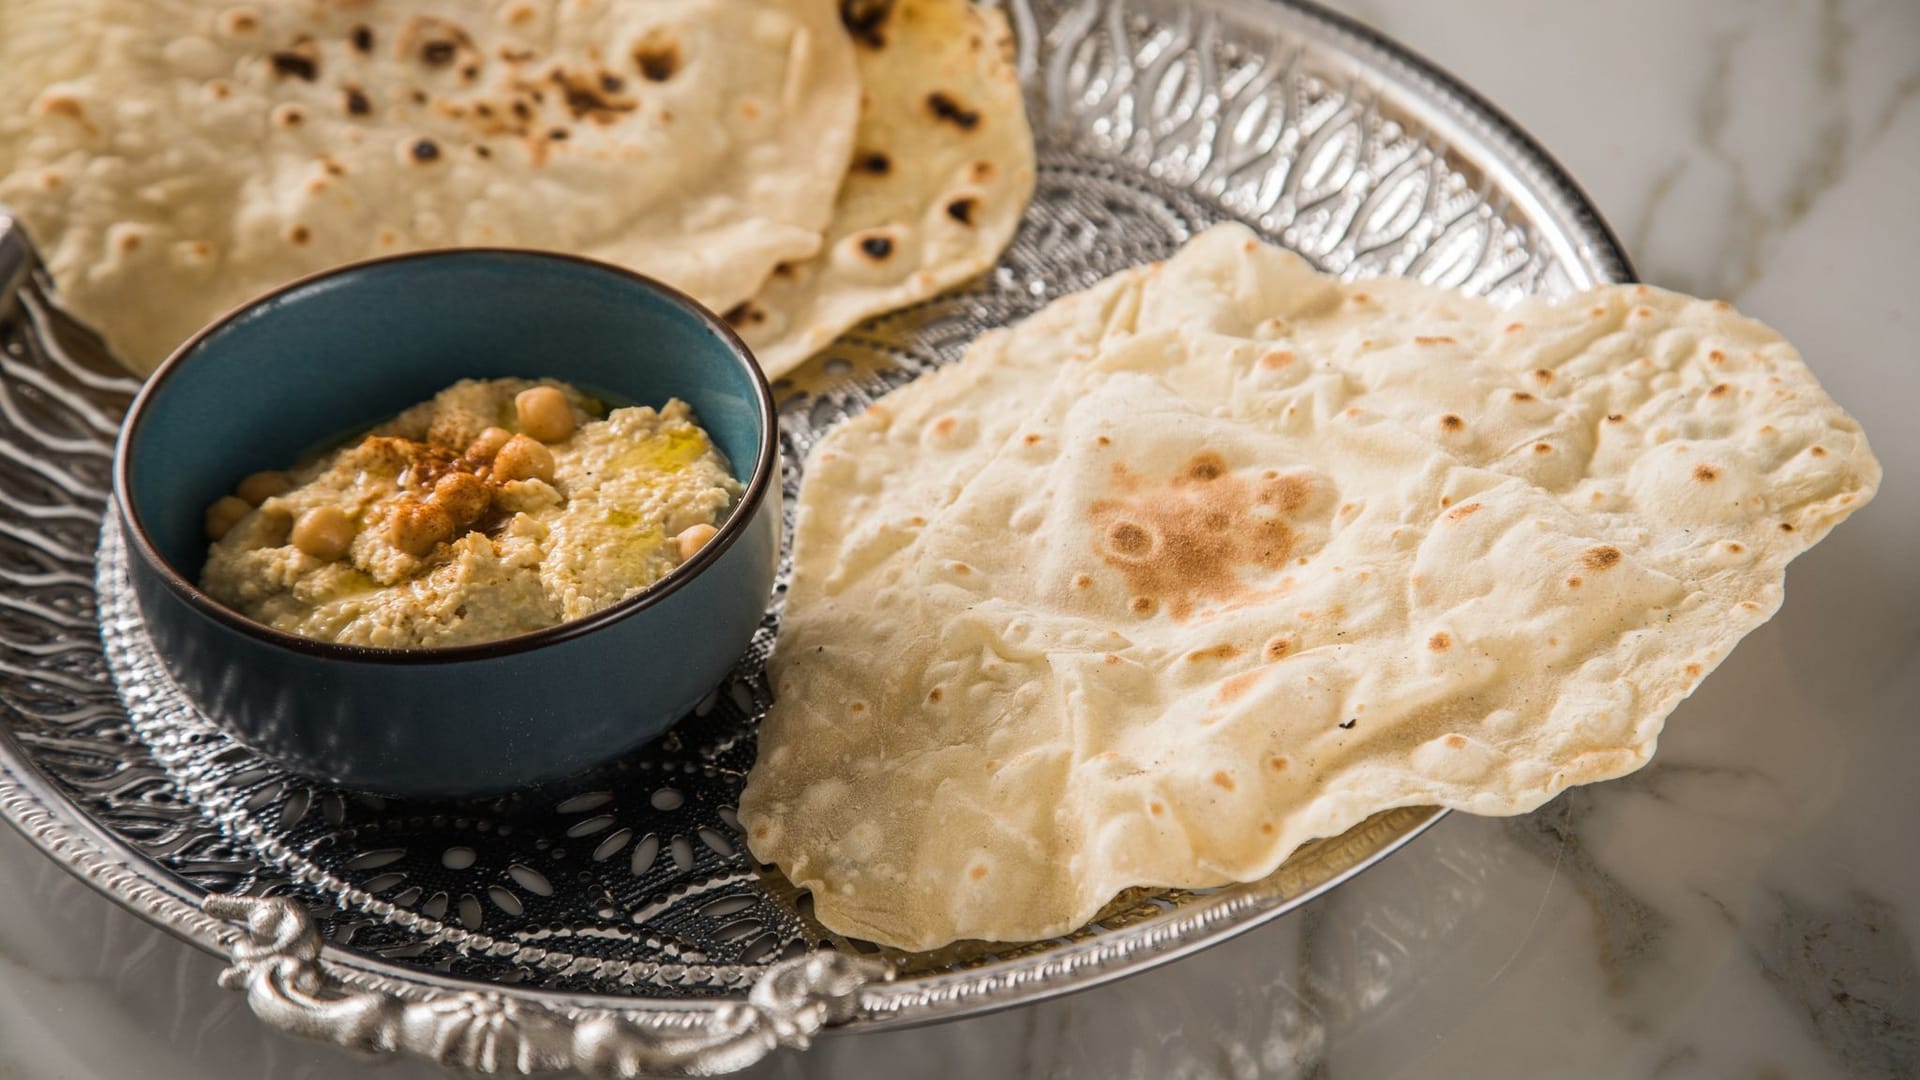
[(352, 346)]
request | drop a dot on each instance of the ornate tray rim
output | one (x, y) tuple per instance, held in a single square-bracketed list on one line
[(1446, 108)]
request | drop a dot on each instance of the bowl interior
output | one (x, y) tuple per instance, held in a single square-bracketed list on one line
[(348, 349)]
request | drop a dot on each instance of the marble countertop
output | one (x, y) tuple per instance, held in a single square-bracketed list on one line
[(1748, 905)]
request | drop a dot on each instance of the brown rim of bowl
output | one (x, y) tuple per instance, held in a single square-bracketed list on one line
[(765, 466)]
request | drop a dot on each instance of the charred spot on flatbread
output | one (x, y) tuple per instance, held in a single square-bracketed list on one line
[(866, 21), (658, 56), (947, 109)]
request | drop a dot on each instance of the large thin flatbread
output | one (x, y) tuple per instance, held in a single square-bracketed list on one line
[(1227, 555), (942, 169), (173, 158)]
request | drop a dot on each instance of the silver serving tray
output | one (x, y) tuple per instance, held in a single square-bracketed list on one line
[(615, 926)]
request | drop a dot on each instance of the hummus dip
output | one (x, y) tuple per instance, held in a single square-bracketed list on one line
[(499, 507)]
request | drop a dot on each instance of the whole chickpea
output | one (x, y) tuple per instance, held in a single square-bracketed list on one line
[(224, 514), (463, 496), (544, 413), (261, 486), (693, 538), (324, 532), (488, 443), (416, 527), (523, 459)]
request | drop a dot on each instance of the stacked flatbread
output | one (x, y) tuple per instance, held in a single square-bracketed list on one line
[(1224, 555), (796, 167)]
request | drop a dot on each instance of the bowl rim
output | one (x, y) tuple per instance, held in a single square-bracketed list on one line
[(743, 514)]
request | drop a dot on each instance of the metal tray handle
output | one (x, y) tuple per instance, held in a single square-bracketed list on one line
[(277, 962)]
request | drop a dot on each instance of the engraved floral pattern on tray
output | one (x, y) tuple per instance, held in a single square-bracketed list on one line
[(1154, 119)]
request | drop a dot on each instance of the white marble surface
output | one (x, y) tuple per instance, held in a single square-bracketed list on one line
[(1749, 905)]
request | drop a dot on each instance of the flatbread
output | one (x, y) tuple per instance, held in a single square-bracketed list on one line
[(1227, 555), (942, 169), (174, 158)]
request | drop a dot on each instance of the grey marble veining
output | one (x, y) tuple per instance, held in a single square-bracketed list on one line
[(1749, 905), (1850, 970)]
